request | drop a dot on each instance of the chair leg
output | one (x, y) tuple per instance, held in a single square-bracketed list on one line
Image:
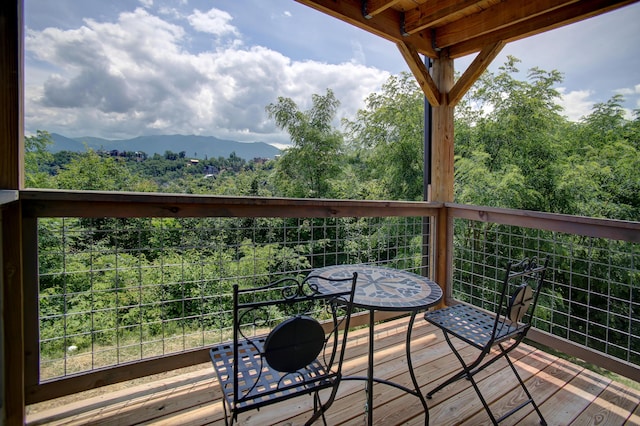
[(319, 408), (526, 391), (467, 370), (226, 416), (484, 402), (504, 353)]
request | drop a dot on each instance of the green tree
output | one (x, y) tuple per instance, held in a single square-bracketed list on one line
[(93, 172), (387, 139), (36, 157), (307, 168), (600, 167), (519, 125)]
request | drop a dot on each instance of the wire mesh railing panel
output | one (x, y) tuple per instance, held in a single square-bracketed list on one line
[(591, 294), (113, 291)]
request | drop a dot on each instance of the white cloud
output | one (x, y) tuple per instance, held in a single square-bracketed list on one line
[(626, 91), (146, 3), (214, 21), (576, 103), (135, 76)]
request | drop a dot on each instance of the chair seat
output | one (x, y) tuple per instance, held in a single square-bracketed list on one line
[(471, 324), (258, 383)]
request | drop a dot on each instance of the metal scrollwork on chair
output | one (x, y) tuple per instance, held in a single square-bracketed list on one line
[(284, 345)]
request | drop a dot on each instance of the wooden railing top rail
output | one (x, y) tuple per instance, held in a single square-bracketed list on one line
[(579, 225), (56, 203)]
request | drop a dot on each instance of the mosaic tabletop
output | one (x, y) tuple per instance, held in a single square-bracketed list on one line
[(382, 288)]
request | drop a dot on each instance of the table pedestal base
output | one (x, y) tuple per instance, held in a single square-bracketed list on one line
[(370, 378)]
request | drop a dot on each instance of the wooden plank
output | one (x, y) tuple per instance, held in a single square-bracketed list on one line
[(432, 14), (66, 386), (125, 405), (204, 414), (442, 135), (574, 397), (151, 407), (462, 400), (507, 13), (634, 419), (193, 398), (540, 388), (387, 24), (392, 406), (372, 8), (30, 288), (626, 369), (421, 73), (12, 298), (474, 71), (612, 407), (442, 173), (389, 409), (591, 227), (52, 203), (12, 400), (11, 95), (113, 396), (430, 363), (107, 376), (566, 15)]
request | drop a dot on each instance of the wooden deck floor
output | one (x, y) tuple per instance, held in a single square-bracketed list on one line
[(567, 394)]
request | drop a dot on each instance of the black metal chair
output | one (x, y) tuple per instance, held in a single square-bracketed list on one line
[(505, 329), (282, 347)]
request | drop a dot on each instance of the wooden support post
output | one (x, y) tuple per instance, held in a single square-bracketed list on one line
[(442, 170), (11, 178)]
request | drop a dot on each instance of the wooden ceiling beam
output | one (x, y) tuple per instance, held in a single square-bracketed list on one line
[(460, 27), (371, 8), (431, 14), (566, 15), (473, 72), (386, 24), (510, 13), (421, 73)]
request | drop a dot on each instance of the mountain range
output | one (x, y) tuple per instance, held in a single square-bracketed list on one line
[(193, 146)]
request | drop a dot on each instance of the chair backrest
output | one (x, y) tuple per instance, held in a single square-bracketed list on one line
[(519, 296), (291, 324)]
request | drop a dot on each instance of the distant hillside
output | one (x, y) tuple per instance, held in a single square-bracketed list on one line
[(193, 146)]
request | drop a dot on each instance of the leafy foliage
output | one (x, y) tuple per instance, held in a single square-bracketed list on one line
[(109, 281), (307, 168), (386, 138)]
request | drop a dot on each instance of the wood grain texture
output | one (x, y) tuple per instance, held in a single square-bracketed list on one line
[(566, 392)]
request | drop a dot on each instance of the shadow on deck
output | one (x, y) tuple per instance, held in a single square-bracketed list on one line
[(567, 393)]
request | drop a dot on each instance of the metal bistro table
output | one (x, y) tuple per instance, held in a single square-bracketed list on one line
[(385, 289)]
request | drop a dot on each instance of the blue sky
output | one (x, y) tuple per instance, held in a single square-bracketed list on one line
[(126, 68)]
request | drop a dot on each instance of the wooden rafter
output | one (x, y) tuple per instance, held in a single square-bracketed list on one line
[(386, 24), (509, 14), (544, 22), (432, 14), (421, 73), (475, 69), (460, 27), (372, 8)]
